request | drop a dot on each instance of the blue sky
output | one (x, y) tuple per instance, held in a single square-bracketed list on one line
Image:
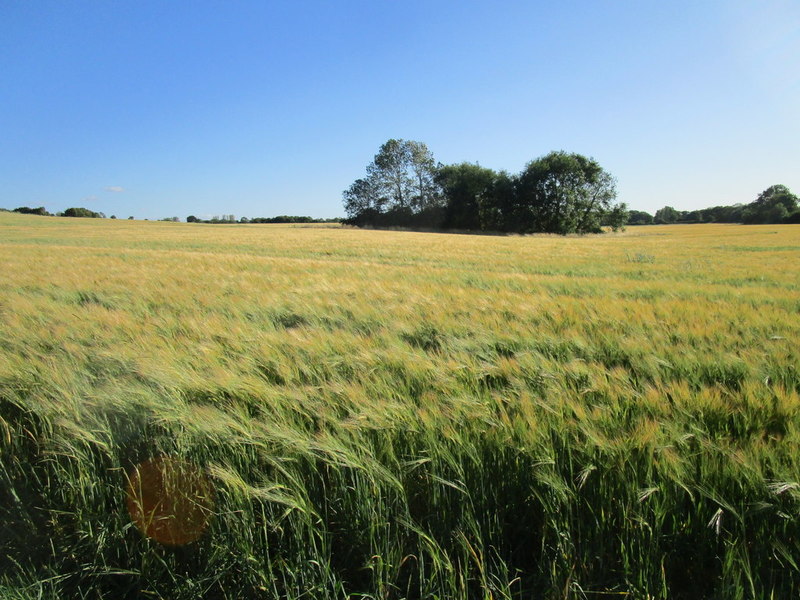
[(158, 109)]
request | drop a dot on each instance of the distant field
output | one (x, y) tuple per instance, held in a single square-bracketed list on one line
[(323, 412)]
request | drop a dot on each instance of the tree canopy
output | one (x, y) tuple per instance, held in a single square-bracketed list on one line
[(82, 212), (564, 193), (399, 187), (776, 204), (773, 205), (557, 193), (26, 210)]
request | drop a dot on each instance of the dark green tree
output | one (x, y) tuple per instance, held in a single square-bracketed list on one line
[(616, 218), (82, 212), (666, 215), (389, 173), (426, 193), (25, 210), (773, 205), (639, 217), (363, 201), (564, 193), (724, 214), (465, 187), (399, 189), (499, 208)]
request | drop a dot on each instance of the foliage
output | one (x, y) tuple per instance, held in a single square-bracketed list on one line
[(387, 415), (557, 193), (278, 219), (666, 216), (564, 193), (773, 205), (639, 217), (466, 187), (776, 204), (291, 219), (82, 212), (25, 210), (399, 188)]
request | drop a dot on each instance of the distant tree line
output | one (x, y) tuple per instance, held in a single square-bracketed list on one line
[(86, 213), (70, 212), (776, 204), (278, 219), (557, 193), (26, 210)]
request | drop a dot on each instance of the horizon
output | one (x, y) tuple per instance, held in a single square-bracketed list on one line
[(261, 110)]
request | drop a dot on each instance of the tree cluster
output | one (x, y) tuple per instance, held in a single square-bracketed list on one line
[(70, 212), (278, 219), (82, 212), (776, 204), (26, 210), (557, 193)]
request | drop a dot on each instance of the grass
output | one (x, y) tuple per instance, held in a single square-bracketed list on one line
[(399, 415)]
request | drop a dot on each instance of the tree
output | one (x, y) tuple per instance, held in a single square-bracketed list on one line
[(82, 212), (639, 217), (773, 205), (399, 186), (191, 219), (25, 210), (362, 200), (616, 218), (499, 208), (389, 173), (465, 187), (557, 193), (564, 193), (666, 215), (426, 193), (725, 214)]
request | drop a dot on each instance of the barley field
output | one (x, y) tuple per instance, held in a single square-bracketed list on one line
[(248, 411)]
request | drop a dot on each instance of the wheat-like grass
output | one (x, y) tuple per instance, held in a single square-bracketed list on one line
[(401, 415)]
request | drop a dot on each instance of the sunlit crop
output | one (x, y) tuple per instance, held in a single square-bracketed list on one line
[(398, 415)]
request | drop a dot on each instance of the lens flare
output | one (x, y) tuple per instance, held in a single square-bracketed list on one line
[(171, 501)]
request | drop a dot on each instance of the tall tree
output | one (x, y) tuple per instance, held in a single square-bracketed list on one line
[(400, 180), (389, 173), (773, 205), (362, 198), (666, 215), (426, 193), (565, 193), (499, 206), (465, 186)]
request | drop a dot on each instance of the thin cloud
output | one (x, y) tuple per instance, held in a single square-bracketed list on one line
[(115, 188), (89, 198)]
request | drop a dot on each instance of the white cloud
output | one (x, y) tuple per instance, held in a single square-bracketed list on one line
[(115, 188), (90, 198)]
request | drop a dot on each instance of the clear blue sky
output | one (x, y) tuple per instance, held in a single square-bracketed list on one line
[(163, 108)]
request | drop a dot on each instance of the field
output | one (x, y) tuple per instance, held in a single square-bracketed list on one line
[(199, 411)]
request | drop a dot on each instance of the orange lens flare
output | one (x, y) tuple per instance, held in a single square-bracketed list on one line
[(169, 500)]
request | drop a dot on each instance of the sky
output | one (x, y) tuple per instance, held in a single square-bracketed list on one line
[(160, 109)]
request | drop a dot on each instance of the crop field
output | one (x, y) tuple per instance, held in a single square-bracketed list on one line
[(256, 411)]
